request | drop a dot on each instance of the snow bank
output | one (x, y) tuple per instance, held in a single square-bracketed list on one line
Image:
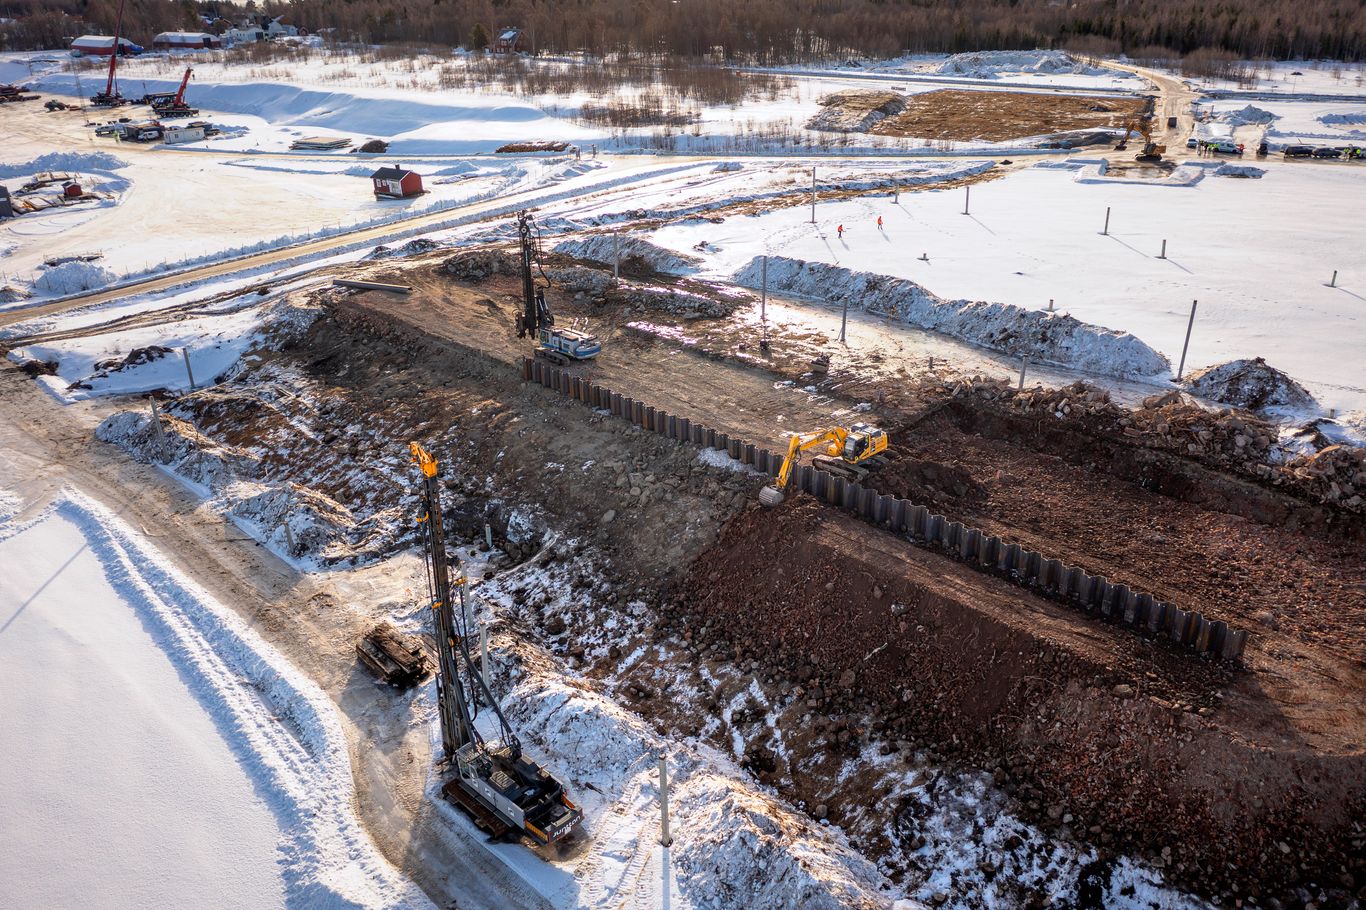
[(1042, 336), (283, 729), (1355, 118), (10, 503), (1248, 116), (605, 248), (1251, 384), (732, 847), (1238, 170), (992, 64), (82, 162), (73, 277)]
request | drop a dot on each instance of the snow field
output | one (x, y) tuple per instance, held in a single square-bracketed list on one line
[(222, 774), (1256, 254)]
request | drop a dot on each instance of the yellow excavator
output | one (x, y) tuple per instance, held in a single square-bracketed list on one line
[(1151, 152), (841, 451)]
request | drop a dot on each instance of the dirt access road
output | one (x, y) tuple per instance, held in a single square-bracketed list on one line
[(46, 447), (1174, 99)]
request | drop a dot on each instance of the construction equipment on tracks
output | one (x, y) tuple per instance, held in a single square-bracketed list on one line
[(504, 792), (1151, 153), (175, 106), (843, 452), (399, 663), (111, 97), (560, 346)]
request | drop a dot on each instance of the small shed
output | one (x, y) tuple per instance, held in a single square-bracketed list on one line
[(509, 41), (397, 183), (177, 134), (72, 190)]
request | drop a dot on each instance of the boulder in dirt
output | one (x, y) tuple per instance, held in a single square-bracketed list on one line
[(1251, 384)]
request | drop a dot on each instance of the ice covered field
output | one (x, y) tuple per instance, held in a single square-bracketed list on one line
[(157, 753)]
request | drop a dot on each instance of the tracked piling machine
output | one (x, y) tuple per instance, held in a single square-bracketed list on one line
[(505, 793), (560, 346), (844, 452)]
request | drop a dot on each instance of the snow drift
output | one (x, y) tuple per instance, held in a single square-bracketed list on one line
[(1049, 337), (75, 162), (74, 277), (605, 248), (1248, 116), (991, 64)]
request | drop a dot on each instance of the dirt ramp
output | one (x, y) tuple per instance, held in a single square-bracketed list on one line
[(1142, 748)]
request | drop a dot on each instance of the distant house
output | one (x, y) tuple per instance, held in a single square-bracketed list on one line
[(278, 28), (102, 46), (397, 183), (244, 34), (509, 41), (183, 40)]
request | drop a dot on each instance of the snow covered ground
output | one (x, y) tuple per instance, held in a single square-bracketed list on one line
[(1257, 255), (157, 752)]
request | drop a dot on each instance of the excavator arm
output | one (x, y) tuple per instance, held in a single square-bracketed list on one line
[(844, 448), (833, 439)]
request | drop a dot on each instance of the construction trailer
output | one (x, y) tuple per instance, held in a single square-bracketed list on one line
[(506, 794), (174, 135)]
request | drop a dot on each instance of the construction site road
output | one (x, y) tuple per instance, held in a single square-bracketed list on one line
[(47, 447)]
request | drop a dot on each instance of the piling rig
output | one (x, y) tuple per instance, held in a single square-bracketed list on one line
[(556, 345), (505, 793)]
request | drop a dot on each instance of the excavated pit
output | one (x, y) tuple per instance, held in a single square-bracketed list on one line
[(867, 641)]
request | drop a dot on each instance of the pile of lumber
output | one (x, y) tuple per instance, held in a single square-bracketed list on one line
[(393, 659)]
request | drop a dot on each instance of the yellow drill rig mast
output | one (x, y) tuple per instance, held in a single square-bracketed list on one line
[(841, 451), (504, 792)]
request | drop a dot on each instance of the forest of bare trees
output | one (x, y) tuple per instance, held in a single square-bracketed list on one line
[(761, 31)]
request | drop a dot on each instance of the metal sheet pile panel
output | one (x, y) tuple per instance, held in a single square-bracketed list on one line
[(989, 553)]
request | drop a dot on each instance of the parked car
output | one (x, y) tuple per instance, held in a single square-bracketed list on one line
[(1327, 153), (1226, 147), (1192, 142), (1297, 151), (1262, 149)]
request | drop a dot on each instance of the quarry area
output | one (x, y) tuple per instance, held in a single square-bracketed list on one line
[(328, 491)]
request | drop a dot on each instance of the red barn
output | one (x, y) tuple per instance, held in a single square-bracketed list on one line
[(396, 183), (509, 41)]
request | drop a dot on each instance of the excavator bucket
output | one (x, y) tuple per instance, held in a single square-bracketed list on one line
[(771, 496)]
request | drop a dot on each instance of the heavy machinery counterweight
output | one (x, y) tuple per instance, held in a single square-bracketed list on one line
[(841, 451), (504, 792)]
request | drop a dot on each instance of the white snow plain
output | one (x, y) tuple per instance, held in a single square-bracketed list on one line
[(157, 751)]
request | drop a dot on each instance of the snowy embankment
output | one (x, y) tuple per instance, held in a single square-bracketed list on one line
[(733, 846), (1041, 336), (609, 248), (224, 777)]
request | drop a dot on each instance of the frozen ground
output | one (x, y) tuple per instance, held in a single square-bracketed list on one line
[(157, 752), (1257, 255)]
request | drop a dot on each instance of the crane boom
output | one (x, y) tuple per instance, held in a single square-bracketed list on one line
[(114, 53), (180, 95)]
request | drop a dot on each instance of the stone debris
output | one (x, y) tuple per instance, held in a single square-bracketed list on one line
[(1226, 439)]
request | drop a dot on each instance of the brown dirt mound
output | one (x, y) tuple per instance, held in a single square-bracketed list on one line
[(963, 115)]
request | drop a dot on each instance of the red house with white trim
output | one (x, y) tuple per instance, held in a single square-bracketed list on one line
[(397, 183)]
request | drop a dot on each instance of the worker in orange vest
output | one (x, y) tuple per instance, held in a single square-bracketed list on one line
[(839, 231), (879, 222)]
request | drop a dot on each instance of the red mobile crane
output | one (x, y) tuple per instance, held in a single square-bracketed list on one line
[(176, 107), (110, 97)]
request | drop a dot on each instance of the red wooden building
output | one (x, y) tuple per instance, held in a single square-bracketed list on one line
[(396, 183)]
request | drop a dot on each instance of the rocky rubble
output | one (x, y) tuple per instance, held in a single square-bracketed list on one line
[(1226, 439), (1251, 384)]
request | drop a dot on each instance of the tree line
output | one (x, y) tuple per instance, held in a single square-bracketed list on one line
[(769, 32)]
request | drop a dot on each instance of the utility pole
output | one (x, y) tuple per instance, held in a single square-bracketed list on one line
[(813, 195), (1189, 325), (763, 299), (185, 352), (1106, 231), (967, 198)]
